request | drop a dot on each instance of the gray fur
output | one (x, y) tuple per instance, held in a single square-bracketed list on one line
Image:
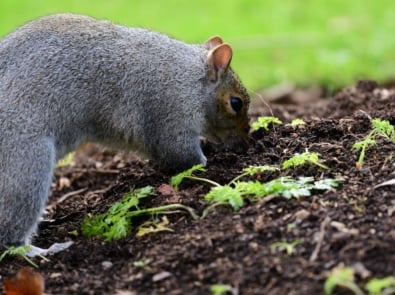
[(68, 79)]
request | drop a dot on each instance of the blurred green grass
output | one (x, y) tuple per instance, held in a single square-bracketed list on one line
[(331, 42)]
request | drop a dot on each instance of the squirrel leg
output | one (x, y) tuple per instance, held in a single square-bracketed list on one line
[(25, 178), (181, 154)]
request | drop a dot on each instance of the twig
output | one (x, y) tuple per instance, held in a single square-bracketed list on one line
[(317, 248), (65, 196)]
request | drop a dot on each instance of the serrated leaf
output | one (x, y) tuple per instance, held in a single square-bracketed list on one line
[(252, 170), (177, 179), (264, 122), (116, 222), (296, 122), (383, 126), (254, 189), (326, 184), (364, 144), (225, 194), (302, 159), (377, 286)]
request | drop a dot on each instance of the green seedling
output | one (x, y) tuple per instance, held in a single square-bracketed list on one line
[(73, 233), (221, 194), (264, 122), (116, 223), (341, 277), (21, 251), (381, 286), (66, 161), (254, 170), (303, 159), (285, 246), (236, 191), (220, 289), (296, 122), (380, 128), (141, 263), (176, 180)]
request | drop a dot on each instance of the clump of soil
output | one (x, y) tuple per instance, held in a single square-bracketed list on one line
[(352, 225)]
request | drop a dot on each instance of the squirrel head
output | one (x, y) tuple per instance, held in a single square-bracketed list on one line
[(229, 121)]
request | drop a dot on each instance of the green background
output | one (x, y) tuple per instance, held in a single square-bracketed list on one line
[(330, 43)]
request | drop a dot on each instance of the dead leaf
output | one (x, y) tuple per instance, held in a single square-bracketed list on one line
[(25, 282), (153, 227)]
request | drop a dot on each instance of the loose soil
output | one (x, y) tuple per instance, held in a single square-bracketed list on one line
[(352, 225)]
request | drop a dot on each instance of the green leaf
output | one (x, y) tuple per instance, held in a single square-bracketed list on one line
[(342, 277), (116, 223), (302, 159), (253, 170), (225, 194), (286, 187), (176, 180), (66, 160), (220, 289), (326, 184), (364, 144), (379, 127), (383, 127), (251, 189), (296, 122), (264, 122), (288, 247), (21, 251), (378, 286)]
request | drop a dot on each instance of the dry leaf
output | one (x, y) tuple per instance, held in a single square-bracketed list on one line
[(153, 227), (25, 282)]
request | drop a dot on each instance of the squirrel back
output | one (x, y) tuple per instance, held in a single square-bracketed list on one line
[(68, 79)]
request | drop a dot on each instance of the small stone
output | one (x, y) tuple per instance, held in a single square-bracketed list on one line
[(106, 265), (161, 276)]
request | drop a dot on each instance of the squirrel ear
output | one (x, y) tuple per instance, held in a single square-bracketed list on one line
[(219, 59), (213, 42)]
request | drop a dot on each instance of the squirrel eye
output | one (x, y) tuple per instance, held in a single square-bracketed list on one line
[(236, 104)]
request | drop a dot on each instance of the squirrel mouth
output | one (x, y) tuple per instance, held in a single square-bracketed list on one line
[(213, 138)]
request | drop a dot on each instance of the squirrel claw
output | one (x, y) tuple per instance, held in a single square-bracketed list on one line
[(55, 248)]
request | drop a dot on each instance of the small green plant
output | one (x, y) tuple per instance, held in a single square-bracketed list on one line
[(264, 122), (380, 128), (303, 159), (288, 247), (66, 161), (296, 122), (221, 194), (220, 289), (141, 263), (381, 286), (176, 180), (344, 277), (21, 251), (341, 277), (117, 221), (236, 191)]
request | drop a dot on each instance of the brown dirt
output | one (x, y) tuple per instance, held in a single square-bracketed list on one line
[(352, 225)]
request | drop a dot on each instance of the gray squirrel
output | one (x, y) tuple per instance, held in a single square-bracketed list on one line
[(67, 79)]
